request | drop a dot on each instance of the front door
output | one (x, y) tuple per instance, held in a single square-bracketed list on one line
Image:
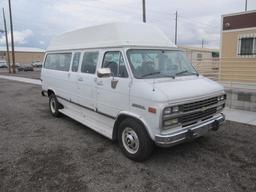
[(113, 92)]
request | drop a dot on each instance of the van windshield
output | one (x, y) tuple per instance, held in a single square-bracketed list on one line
[(147, 63)]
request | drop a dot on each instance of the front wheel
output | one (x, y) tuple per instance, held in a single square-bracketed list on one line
[(54, 105), (134, 140)]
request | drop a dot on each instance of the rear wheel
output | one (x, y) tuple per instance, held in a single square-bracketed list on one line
[(134, 140), (54, 106)]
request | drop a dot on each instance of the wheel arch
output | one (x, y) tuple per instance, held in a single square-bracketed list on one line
[(50, 92), (124, 115)]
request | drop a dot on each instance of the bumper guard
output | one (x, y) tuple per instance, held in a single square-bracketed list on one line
[(190, 133)]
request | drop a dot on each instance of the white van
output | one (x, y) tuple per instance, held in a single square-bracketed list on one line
[(129, 83)]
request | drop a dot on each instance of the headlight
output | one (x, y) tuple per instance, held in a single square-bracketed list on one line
[(219, 108), (170, 110), (175, 109), (170, 122), (222, 97), (167, 111)]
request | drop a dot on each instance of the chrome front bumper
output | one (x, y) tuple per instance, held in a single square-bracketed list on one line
[(190, 132)]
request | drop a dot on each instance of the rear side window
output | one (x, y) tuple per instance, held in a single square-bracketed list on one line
[(90, 60), (58, 61), (115, 61), (75, 62)]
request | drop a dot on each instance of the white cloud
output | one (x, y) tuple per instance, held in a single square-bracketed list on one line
[(42, 42), (20, 37), (197, 19)]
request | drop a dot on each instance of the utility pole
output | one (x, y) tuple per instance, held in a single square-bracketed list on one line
[(202, 43), (7, 43), (245, 5), (176, 27), (12, 40), (144, 10)]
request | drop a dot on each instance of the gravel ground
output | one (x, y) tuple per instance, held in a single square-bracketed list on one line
[(41, 153)]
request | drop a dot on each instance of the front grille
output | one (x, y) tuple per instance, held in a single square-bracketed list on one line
[(199, 104), (194, 117)]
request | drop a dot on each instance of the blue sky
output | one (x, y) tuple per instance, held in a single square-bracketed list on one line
[(36, 22)]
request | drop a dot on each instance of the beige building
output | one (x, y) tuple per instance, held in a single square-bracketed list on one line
[(24, 55), (238, 47), (199, 54), (238, 59), (205, 60)]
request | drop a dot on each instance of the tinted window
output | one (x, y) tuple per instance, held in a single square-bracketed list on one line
[(215, 54), (58, 61), (246, 46), (114, 60), (75, 62), (89, 63), (199, 56)]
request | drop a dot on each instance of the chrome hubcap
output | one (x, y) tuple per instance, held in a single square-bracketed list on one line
[(53, 105), (130, 140)]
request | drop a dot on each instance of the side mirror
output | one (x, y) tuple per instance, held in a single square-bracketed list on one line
[(104, 72)]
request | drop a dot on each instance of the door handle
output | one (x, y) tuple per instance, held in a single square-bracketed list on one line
[(80, 79)]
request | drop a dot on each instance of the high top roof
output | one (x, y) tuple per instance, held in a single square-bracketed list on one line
[(111, 35)]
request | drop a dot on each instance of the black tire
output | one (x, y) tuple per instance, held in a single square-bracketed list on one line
[(54, 106), (139, 152)]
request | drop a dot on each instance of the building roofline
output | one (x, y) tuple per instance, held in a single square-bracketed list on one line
[(238, 13), (199, 49)]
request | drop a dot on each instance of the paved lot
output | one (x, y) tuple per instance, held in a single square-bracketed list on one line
[(29, 74), (41, 153)]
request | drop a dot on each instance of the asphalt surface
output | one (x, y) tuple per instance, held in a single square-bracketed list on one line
[(29, 74), (39, 152)]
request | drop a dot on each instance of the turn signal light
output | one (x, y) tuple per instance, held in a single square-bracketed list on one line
[(152, 110)]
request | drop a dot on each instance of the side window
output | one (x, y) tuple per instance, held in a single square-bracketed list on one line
[(115, 61), (246, 46), (58, 61), (199, 56), (89, 63), (75, 62)]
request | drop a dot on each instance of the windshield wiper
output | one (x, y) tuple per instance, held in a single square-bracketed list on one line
[(152, 73), (181, 72), (185, 71), (157, 73)]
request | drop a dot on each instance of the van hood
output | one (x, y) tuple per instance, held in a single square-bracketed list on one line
[(183, 88)]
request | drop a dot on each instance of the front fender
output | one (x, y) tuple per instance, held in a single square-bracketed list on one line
[(127, 114)]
